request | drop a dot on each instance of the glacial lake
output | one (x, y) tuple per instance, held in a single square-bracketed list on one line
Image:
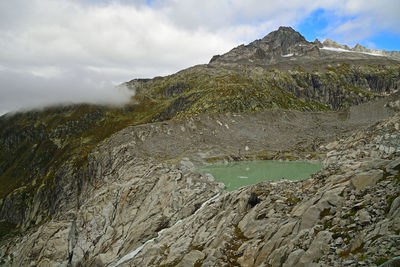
[(238, 174)]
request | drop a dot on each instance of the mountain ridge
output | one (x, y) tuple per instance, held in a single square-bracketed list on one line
[(362, 49), (285, 44)]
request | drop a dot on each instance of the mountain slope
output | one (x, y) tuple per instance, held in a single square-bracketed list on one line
[(282, 70), (127, 197)]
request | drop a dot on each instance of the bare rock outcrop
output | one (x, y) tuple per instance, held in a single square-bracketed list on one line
[(138, 212)]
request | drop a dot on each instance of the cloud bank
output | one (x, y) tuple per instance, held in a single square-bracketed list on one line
[(54, 51)]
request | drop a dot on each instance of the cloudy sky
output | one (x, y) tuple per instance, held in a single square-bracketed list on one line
[(55, 51)]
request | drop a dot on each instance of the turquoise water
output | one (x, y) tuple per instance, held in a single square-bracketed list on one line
[(238, 174)]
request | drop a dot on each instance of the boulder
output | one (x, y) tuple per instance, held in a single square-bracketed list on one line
[(393, 166), (312, 214), (318, 247), (395, 207), (364, 216), (363, 180), (310, 217), (357, 243), (293, 259)]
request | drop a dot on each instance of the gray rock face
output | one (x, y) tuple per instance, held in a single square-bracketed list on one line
[(277, 231), (336, 218), (192, 258), (131, 203), (282, 39)]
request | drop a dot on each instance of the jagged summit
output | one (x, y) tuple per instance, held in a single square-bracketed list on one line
[(360, 48), (283, 38), (286, 44), (282, 43), (330, 43)]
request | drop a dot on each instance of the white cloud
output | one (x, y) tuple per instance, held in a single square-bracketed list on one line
[(366, 18), (50, 47), (64, 51), (24, 89)]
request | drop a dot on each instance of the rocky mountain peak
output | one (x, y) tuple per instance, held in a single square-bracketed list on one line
[(333, 44), (360, 48), (284, 37), (287, 45), (318, 43), (278, 45)]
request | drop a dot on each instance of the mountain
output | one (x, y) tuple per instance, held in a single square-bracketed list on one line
[(287, 45), (85, 185), (361, 49), (282, 70)]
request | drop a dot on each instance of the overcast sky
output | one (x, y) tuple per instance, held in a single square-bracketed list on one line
[(54, 51)]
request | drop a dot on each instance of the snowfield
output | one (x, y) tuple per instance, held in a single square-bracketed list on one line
[(348, 51)]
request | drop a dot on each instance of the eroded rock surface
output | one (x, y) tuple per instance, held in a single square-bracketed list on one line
[(324, 220), (133, 201), (346, 214)]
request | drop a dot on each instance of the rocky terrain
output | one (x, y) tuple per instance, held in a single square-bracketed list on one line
[(347, 213), (106, 186)]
